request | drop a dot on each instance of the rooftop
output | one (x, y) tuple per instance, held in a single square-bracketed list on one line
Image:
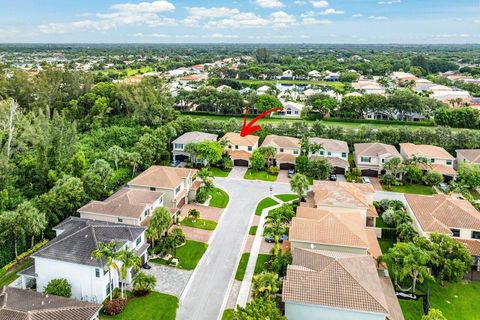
[(375, 149), (331, 144), (425, 150), (341, 194), (195, 136), (162, 177), (472, 155), (280, 142), (237, 139)]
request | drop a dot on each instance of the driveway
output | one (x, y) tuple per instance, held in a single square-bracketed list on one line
[(206, 212), (207, 292), (283, 176), (237, 172), (169, 280), (376, 183)]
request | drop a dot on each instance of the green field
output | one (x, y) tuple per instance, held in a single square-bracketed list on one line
[(414, 189), (219, 198), (263, 204), (242, 266), (219, 172), (199, 223)]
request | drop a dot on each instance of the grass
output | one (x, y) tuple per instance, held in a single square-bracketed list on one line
[(242, 266), (11, 276), (259, 175), (336, 84), (411, 309), (286, 197), (219, 172), (154, 306), (263, 204), (475, 194), (188, 255), (386, 244), (227, 314), (414, 189), (199, 223), (219, 198), (253, 230), (379, 223), (260, 264)]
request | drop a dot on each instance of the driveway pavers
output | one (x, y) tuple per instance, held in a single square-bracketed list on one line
[(238, 172), (169, 280), (283, 176), (206, 212), (196, 234)]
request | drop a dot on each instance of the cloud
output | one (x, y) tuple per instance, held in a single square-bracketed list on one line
[(319, 4), (144, 7), (281, 19), (357, 15), (452, 35), (313, 21), (476, 21), (300, 2), (330, 11), (153, 35), (240, 20), (196, 14), (390, 2), (220, 36), (270, 3), (377, 18)]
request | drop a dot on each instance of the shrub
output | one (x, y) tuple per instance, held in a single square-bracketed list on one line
[(178, 235), (193, 214), (389, 217), (202, 195), (114, 307), (59, 287), (273, 169), (432, 178), (143, 284)]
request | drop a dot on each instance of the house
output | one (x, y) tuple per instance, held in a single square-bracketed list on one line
[(287, 75), (324, 285), (345, 197), (332, 76), (335, 151), (177, 184), (291, 109), (444, 214), (20, 304), (368, 86), (403, 76), (370, 157), (240, 148), (439, 159), (69, 256), (287, 148), (179, 144), (127, 205), (333, 230), (314, 74), (263, 90), (468, 156)]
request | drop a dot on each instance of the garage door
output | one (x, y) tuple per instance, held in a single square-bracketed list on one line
[(240, 162), (181, 203), (181, 157), (370, 173), (339, 170), (286, 166)]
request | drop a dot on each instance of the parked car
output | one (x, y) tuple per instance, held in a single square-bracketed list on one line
[(443, 186), (291, 172), (366, 180), (271, 239), (333, 177), (174, 163)]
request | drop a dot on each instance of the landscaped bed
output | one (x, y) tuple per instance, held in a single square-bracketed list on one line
[(227, 314), (259, 175), (253, 230), (188, 255), (414, 189), (219, 198), (386, 244), (219, 172), (263, 204), (199, 223), (242, 266), (285, 197), (10, 276), (153, 306)]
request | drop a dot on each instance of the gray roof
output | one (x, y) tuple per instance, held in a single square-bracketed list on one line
[(19, 304), (81, 236), (195, 136)]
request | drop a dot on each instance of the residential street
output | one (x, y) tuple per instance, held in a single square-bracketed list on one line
[(205, 295)]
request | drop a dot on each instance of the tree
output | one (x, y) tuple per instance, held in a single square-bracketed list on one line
[(206, 176), (265, 285), (96, 179), (107, 252), (394, 166), (129, 260), (406, 232), (299, 184), (143, 283), (432, 178), (320, 169), (257, 160), (413, 173), (59, 287), (266, 102), (469, 174), (259, 309), (193, 214), (12, 229), (116, 154), (302, 164), (389, 180), (34, 221), (434, 314), (276, 223), (160, 220)]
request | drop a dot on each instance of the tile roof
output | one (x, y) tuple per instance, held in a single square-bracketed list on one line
[(330, 144), (472, 155), (162, 177), (334, 279), (239, 154), (440, 213), (237, 139), (341, 194), (281, 142), (126, 202), (81, 236), (426, 150), (438, 167), (472, 245), (19, 304), (282, 157), (195, 136), (375, 149)]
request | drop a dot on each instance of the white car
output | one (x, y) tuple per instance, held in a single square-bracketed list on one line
[(366, 180)]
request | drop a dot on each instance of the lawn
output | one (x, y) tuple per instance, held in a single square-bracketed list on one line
[(260, 264), (242, 266), (386, 244), (227, 314), (263, 204), (219, 198), (286, 197), (219, 172), (154, 306), (188, 255), (379, 223), (9, 277), (414, 188), (259, 175), (199, 223), (253, 230)]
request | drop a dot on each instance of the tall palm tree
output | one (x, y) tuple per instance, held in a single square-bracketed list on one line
[(159, 223), (205, 175), (129, 260), (107, 251), (275, 225)]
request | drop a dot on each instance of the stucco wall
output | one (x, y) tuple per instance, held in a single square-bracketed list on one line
[(297, 311)]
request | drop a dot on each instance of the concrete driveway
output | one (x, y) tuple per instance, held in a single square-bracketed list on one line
[(169, 280), (207, 291), (283, 176), (237, 172)]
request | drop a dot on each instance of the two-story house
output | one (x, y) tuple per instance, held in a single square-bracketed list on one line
[(468, 156), (179, 144), (127, 205), (287, 148), (370, 157), (69, 256), (240, 148), (178, 185), (335, 151), (439, 159)]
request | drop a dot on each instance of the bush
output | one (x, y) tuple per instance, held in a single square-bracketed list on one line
[(114, 307), (143, 284), (432, 178), (389, 233), (178, 235), (59, 287), (273, 169), (389, 217), (202, 195)]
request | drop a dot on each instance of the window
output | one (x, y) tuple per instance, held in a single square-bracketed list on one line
[(108, 288), (322, 152), (432, 160), (249, 148), (97, 272), (344, 154), (383, 160), (449, 162), (178, 146), (178, 189), (139, 239), (236, 146), (475, 234), (120, 219), (289, 111), (296, 112), (295, 151), (329, 153), (146, 213), (456, 232), (281, 149), (365, 159), (153, 189)]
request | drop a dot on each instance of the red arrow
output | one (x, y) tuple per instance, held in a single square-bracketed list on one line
[(249, 127)]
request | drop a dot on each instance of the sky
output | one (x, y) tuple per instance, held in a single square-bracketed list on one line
[(240, 21)]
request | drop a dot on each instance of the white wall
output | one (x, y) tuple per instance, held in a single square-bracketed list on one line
[(298, 311)]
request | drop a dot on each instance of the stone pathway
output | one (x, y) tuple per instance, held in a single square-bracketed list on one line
[(169, 280)]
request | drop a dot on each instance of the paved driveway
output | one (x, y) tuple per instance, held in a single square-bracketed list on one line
[(169, 280), (283, 176), (207, 292), (237, 172)]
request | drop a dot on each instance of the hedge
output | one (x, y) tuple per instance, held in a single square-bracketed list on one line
[(22, 256)]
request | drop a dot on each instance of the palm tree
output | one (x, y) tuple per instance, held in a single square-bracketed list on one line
[(299, 184), (205, 175), (107, 251), (265, 285), (276, 225), (129, 260), (193, 214), (159, 222)]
